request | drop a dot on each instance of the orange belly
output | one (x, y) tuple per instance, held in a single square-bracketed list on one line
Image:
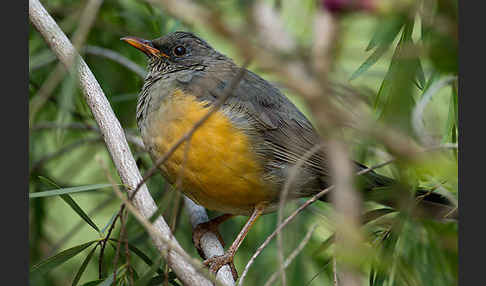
[(221, 171)]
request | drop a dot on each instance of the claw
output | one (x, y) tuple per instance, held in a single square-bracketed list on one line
[(216, 262), (209, 226), (200, 230)]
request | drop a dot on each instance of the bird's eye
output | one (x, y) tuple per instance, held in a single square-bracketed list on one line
[(179, 51)]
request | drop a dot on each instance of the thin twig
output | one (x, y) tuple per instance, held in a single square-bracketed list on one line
[(101, 52), (178, 184), (334, 272), (86, 21), (293, 215), (135, 140), (283, 198), (292, 256), (170, 245), (117, 145), (65, 149), (292, 72), (312, 200), (104, 241), (209, 241), (347, 204), (227, 92), (79, 225), (279, 228), (124, 240), (116, 57), (118, 246)]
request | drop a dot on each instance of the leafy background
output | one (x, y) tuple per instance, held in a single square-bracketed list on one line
[(415, 252)]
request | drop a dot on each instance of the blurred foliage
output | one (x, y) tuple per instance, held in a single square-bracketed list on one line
[(393, 52)]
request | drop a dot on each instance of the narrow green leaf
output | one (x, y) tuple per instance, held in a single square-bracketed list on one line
[(109, 222), (145, 279), (325, 244), (420, 80), (378, 278), (93, 283), (383, 37), (394, 101), (454, 102), (159, 280), (140, 254), (66, 101), (79, 211), (371, 60), (449, 135), (109, 280), (58, 259), (386, 31), (376, 214), (158, 212), (83, 266), (71, 190)]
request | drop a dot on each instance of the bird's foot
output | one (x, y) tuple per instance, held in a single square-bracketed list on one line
[(216, 262), (200, 230)]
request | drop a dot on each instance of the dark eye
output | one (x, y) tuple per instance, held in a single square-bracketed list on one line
[(179, 51)]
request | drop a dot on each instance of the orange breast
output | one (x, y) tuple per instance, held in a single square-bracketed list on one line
[(221, 171)]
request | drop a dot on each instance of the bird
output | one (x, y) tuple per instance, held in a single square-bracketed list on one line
[(237, 160)]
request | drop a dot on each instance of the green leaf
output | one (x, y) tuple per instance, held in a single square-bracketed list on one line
[(371, 60), (83, 266), (394, 101), (71, 190), (451, 123), (93, 283), (67, 198), (376, 214), (145, 279), (386, 31), (325, 244), (58, 259), (140, 254), (420, 80), (454, 102), (383, 37), (66, 100), (109, 280), (159, 280), (79, 211), (109, 222)]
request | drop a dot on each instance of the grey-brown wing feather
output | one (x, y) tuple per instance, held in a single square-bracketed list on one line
[(279, 132)]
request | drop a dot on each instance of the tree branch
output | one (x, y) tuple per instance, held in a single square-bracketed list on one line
[(116, 143)]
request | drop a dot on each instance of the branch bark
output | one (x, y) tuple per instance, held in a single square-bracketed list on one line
[(209, 241), (116, 143), (347, 203)]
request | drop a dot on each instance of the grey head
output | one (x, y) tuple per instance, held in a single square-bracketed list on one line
[(175, 51), (173, 58)]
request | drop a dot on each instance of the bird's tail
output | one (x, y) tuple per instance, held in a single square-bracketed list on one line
[(384, 190)]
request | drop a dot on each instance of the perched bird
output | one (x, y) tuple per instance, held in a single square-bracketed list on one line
[(239, 159)]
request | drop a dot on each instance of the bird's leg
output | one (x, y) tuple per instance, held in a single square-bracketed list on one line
[(227, 258), (209, 226)]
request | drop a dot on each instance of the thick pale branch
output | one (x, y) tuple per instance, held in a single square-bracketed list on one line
[(116, 142), (347, 203), (209, 241)]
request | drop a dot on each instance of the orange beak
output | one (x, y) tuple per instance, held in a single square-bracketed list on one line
[(144, 46)]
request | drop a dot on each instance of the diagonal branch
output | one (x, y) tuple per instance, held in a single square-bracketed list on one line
[(294, 254), (116, 143), (227, 92)]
